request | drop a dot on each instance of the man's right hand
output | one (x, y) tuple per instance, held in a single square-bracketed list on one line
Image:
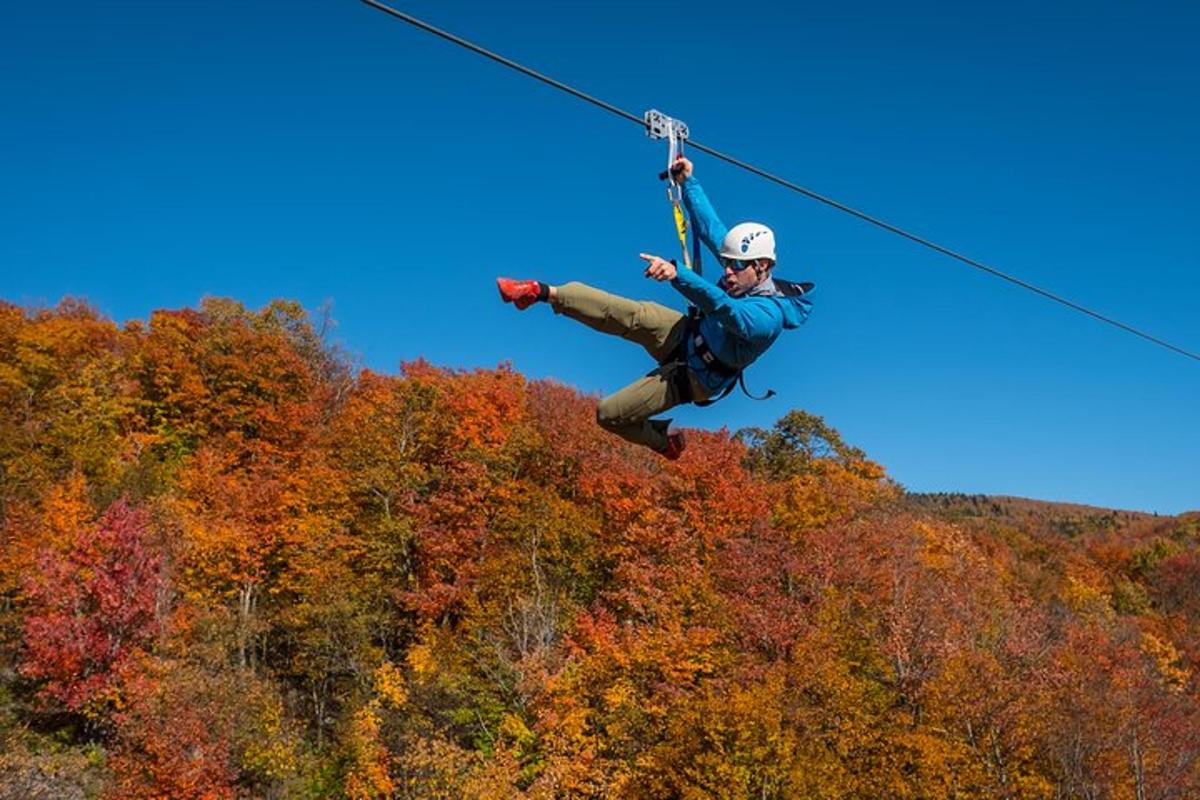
[(681, 170)]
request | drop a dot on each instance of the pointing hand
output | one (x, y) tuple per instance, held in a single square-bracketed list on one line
[(657, 268)]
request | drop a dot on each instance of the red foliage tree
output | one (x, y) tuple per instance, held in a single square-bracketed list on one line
[(92, 605)]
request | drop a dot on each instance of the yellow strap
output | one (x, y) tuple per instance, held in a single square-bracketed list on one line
[(681, 227)]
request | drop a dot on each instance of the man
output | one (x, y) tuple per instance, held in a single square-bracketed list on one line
[(700, 356)]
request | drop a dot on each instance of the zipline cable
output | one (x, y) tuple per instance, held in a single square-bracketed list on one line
[(458, 40), (609, 107)]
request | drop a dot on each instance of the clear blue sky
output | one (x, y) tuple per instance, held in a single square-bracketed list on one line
[(155, 153)]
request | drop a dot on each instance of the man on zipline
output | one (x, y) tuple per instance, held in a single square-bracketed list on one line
[(700, 356)]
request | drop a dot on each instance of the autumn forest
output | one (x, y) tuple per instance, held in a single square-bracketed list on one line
[(235, 565)]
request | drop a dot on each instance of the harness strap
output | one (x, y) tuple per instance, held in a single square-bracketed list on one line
[(679, 375), (705, 354), (660, 126), (681, 225), (675, 139)]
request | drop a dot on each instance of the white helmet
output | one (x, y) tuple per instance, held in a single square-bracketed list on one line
[(748, 241)]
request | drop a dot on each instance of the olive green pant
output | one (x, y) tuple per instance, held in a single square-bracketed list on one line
[(659, 330)]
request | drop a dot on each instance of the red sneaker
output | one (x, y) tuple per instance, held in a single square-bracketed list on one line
[(675, 444), (522, 294)]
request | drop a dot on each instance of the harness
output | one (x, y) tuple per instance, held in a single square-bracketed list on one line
[(679, 358)]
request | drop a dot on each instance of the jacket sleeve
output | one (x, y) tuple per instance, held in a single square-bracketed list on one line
[(745, 318), (705, 221)]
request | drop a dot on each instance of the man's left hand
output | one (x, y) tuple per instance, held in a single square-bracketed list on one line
[(658, 268)]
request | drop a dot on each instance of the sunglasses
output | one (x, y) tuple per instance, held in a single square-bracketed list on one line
[(736, 265)]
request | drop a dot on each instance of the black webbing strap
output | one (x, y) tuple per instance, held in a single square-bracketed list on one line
[(679, 376)]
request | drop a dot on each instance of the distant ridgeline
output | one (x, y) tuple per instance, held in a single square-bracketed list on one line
[(233, 565), (1068, 518)]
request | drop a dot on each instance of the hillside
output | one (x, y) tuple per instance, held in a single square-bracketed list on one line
[(978, 505), (233, 566)]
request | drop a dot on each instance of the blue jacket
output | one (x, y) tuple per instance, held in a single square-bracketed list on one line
[(737, 329)]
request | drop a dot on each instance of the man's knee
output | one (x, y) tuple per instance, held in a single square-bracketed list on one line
[(609, 416)]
